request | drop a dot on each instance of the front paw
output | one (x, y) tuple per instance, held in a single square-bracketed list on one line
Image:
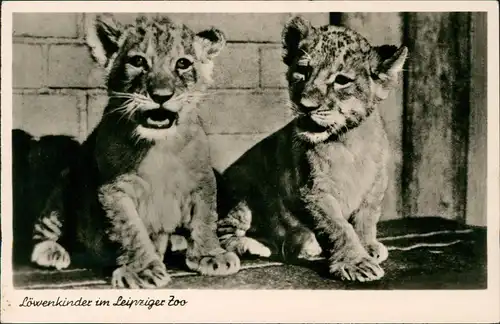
[(178, 243), (301, 244), (50, 254), (363, 269), (154, 276), (242, 245), (378, 251), (219, 265)]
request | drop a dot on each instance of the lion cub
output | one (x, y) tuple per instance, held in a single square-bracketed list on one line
[(316, 186), (145, 170)]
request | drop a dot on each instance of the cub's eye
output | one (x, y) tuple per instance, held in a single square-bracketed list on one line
[(183, 64), (342, 80), (138, 61)]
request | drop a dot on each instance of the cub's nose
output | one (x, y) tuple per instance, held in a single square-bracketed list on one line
[(161, 96), (309, 104)]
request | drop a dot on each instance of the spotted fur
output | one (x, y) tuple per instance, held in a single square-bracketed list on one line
[(316, 186), (144, 172)]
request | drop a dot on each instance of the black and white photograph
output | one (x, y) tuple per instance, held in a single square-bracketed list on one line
[(205, 148)]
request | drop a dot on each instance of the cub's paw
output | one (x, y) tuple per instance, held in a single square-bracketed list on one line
[(301, 245), (310, 250), (219, 265), (378, 251), (254, 247), (364, 269), (242, 245), (178, 243), (154, 276), (50, 254)]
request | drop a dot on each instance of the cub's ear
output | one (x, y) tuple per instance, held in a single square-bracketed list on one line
[(387, 62), (209, 43), (102, 37), (295, 30)]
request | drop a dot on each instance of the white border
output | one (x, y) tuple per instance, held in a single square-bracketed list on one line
[(263, 305)]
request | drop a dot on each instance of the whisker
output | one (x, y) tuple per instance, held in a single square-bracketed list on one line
[(128, 111), (134, 95), (295, 109), (132, 110), (136, 136), (116, 111), (307, 54), (120, 95), (141, 96), (137, 139), (123, 115), (113, 110), (123, 106)]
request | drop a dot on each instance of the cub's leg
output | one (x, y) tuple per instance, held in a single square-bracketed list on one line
[(204, 253), (366, 218), (48, 229), (232, 230), (140, 265), (347, 257), (365, 224), (160, 241)]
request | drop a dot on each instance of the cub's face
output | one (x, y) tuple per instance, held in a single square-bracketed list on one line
[(156, 70), (335, 77)]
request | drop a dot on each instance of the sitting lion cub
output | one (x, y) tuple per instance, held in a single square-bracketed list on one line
[(145, 170), (316, 186)]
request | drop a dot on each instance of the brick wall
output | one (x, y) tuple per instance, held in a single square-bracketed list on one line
[(58, 89)]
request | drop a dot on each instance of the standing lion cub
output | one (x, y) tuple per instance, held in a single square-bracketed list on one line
[(316, 186), (145, 170)]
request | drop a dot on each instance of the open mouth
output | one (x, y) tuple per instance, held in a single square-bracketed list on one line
[(159, 118)]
